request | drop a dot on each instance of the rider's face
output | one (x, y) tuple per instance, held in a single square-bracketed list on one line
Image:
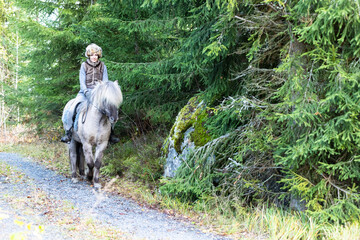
[(94, 58)]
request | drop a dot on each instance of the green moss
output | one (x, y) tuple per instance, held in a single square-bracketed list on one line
[(165, 147), (185, 119), (191, 115), (200, 135)]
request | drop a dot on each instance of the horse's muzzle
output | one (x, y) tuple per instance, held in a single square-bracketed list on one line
[(112, 119), (112, 115)]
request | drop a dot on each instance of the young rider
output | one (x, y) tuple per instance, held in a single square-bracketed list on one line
[(92, 72)]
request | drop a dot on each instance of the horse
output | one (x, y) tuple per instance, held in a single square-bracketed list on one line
[(92, 128)]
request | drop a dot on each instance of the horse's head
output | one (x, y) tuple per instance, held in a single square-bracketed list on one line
[(112, 113), (107, 97)]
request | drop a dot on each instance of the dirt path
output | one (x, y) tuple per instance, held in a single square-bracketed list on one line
[(38, 203)]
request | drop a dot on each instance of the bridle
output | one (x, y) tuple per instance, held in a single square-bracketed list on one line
[(103, 112)]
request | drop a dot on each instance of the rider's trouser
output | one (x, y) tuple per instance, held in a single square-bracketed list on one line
[(68, 115)]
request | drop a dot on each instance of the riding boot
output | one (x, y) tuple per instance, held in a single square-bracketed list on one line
[(113, 139), (67, 137)]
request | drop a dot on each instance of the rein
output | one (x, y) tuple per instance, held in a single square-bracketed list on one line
[(87, 109), (101, 111), (104, 113)]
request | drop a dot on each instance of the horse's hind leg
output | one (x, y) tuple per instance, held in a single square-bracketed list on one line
[(73, 159), (81, 162)]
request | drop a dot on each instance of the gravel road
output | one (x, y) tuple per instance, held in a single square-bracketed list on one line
[(105, 209)]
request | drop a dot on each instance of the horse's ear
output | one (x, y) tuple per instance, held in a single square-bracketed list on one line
[(116, 81)]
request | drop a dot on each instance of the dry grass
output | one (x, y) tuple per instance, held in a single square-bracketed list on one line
[(18, 134), (348, 232)]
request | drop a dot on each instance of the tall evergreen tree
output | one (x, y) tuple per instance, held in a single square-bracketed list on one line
[(297, 110), (53, 56), (169, 51), (6, 63)]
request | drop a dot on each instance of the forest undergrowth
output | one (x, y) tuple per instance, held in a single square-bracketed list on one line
[(215, 213)]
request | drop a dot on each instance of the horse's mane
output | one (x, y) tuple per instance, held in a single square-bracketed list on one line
[(105, 94)]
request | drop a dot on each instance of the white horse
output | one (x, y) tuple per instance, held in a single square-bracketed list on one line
[(92, 128)]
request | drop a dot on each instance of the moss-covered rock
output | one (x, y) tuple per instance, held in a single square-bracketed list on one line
[(200, 136), (185, 119), (187, 133), (194, 114)]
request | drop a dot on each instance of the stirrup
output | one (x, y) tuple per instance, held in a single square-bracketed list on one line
[(113, 139), (67, 137)]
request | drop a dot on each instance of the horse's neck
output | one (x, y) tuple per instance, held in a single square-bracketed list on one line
[(95, 120), (98, 116)]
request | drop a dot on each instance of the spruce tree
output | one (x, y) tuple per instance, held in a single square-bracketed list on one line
[(52, 57)]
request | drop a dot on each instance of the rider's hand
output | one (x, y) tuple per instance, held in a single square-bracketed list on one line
[(87, 93)]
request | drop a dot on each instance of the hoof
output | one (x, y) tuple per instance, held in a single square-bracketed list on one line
[(74, 180), (97, 186)]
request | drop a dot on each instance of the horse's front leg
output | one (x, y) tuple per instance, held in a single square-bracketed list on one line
[(89, 158), (99, 153), (73, 158)]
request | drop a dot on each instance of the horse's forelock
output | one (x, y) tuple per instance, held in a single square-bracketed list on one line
[(105, 94)]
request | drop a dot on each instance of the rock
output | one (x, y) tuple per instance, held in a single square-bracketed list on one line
[(174, 159), (297, 204), (186, 134)]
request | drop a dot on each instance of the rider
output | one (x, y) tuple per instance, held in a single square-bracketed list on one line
[(92, 72)]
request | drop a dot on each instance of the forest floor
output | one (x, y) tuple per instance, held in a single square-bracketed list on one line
[(38, 203)]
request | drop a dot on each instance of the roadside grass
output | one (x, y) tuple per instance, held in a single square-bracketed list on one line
[(11, 174), (53, 155), (214, 214), (22, 229)]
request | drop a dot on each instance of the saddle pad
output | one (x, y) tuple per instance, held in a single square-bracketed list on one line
[(77, 114)]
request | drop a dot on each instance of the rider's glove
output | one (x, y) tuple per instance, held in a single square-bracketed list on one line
[(87, 93)]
